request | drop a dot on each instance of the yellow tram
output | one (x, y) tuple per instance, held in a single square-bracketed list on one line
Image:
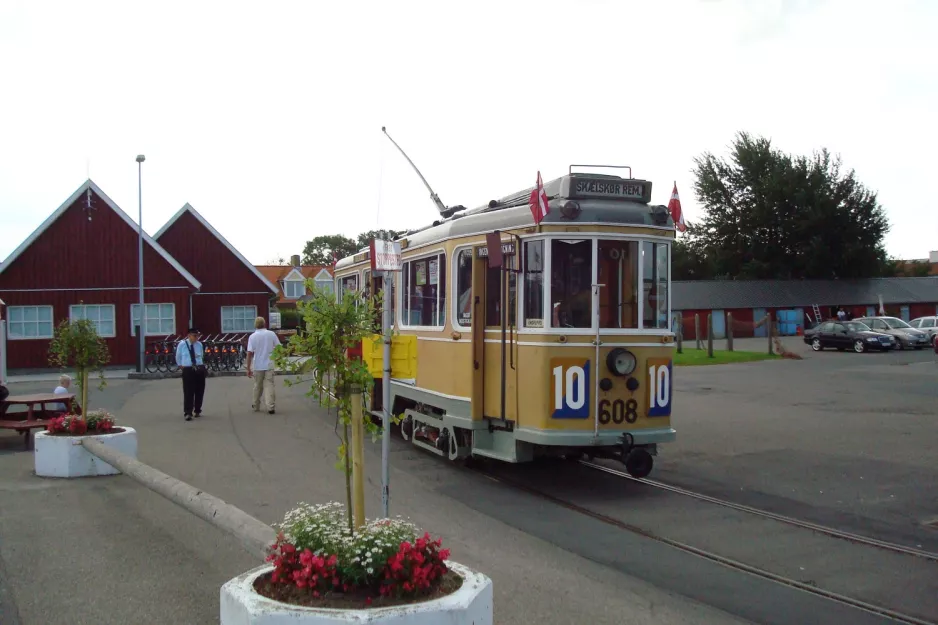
[(578, 362)]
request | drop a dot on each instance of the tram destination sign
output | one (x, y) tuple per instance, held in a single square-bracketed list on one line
[(636, 190), (508, 249)]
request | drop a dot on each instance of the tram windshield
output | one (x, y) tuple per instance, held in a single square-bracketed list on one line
[(633, 279)]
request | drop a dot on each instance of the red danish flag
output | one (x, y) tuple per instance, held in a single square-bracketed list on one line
[(674, 207), (538, 202)]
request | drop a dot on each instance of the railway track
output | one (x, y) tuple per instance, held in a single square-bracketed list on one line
[(821, 529), (729, 562)]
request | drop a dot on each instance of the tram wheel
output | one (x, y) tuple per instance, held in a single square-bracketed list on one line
[(639, 463)]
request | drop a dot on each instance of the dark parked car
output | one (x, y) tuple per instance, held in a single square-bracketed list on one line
[(843, 335), (906, 336)]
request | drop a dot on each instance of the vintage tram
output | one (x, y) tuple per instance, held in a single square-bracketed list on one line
[(564, 348)]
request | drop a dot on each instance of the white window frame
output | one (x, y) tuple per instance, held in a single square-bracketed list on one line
[(548, 271), (299, 285), (324, 280), (10, 323), (405, 280), (159, 317), (113, 333), (250, 319), (454, 287)]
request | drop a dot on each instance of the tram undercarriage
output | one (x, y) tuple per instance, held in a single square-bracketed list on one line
[(460, 438)]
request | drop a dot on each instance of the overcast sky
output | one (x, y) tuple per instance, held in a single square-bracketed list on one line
[(266, 116)]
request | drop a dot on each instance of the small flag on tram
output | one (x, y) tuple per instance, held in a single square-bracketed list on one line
[(674, 207), (539, 207)]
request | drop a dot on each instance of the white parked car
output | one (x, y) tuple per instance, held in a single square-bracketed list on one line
[(929, 325)]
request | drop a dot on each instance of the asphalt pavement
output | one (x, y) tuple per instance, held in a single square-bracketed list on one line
[(844, 439)]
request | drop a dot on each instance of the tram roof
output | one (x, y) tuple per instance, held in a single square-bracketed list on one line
[(602, 199)]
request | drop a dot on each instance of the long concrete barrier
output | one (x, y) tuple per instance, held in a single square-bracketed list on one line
[(254, 535)]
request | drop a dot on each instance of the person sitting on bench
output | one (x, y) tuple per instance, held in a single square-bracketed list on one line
[(65, 381)]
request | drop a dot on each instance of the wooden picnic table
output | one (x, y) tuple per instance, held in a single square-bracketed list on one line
[(27, 425), (30, 402)]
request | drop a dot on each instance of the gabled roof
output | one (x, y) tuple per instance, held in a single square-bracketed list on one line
[(278, 273), (725, 294), (188, 207), (89, 184)]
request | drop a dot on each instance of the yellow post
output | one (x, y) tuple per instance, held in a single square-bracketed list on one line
[(358, 458)]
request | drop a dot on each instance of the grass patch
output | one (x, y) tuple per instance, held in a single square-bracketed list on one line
[(696, 357)]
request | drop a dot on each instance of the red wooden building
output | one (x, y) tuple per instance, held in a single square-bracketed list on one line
[(81, 262), (233, 291)]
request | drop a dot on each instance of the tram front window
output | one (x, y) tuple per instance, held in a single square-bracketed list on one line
[(618, 272), (570, 283), (655, 287)]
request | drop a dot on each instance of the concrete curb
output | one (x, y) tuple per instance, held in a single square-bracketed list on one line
[(163, 375), (254, 535)]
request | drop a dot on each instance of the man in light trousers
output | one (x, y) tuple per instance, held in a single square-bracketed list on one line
[(261, 345)]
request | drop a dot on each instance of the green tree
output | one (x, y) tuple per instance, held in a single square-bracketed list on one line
[(688, 260), (364, 239), (320, 354), (319, 251), (77, 344), (773, 215)]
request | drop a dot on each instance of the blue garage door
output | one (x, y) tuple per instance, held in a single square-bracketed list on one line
[(758, 314), (904, 313), (789, 320), (719, 324)]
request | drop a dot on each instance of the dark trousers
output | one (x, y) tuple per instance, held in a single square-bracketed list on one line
[(193, 388)]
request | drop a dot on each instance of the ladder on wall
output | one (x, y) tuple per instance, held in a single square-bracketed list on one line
[(817, 314)]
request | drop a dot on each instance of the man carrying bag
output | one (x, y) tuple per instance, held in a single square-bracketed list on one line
[(190, 356)]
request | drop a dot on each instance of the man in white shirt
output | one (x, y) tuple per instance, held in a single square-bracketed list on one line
[(261, 345)]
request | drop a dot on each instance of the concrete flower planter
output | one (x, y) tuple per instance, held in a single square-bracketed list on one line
[(470, 605), (65, 456)]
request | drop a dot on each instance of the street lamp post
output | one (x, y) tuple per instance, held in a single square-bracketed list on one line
[(141, 331)]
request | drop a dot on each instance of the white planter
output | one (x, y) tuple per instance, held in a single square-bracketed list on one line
[(470, 605), (65, 456)]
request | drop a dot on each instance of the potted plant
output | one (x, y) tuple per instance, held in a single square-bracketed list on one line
[(325, 568), (384, 572), (58, 451)]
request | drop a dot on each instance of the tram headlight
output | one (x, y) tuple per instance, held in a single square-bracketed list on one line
[(620, 362)]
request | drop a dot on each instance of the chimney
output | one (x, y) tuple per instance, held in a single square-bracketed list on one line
[(933, 257), (295, 260)]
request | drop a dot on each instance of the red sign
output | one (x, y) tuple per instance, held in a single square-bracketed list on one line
[(493, 241)]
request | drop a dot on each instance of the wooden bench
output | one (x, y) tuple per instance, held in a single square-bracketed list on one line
[(25, 428), (27, 425)]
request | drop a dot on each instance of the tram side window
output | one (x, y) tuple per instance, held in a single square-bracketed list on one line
[(348, 283), (464, 288), (570, 283), (618, 271), (534, 284), (655, 287), (424, 292)]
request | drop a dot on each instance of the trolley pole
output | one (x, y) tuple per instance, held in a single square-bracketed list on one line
[(386, 396)]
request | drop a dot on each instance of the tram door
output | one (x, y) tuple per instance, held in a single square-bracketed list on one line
[(492, 290)]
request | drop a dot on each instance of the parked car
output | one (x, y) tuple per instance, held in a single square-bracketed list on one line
[(847, 335), (928, 325), (906, 336)]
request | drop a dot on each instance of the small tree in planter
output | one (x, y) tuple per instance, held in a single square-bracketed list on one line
[(320, 559), (329, 330), (77, 344)]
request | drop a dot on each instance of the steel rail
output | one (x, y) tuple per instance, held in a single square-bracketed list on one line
[(821, 529), (728, 562)]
